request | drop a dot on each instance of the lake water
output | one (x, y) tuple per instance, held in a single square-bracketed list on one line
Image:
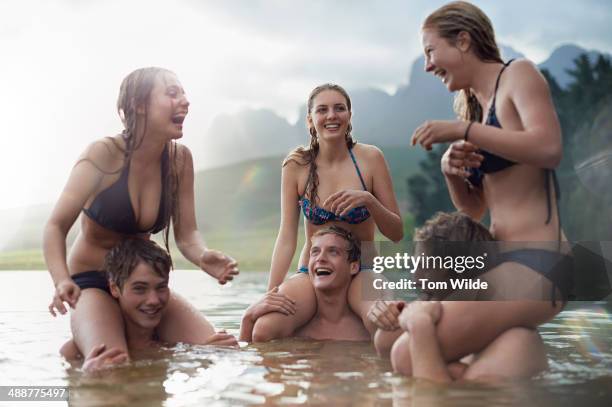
[(289, 372)]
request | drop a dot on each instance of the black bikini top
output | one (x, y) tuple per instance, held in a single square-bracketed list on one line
[(491, 162), (112, 208)]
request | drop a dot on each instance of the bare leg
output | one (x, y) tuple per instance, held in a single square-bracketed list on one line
[(384, 340), (276, 325), (401, 356), (182, 322), (518, 352), (469, 327), (70, 351), (97, 320)]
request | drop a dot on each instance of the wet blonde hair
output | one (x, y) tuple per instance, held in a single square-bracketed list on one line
[(449, 21)]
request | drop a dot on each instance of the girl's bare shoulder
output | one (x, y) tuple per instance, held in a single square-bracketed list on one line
[(106, 154), (368, 152)]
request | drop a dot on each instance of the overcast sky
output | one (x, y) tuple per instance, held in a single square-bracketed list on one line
[(63, 61)]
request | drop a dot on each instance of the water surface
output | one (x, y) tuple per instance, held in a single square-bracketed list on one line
[(289, 372)]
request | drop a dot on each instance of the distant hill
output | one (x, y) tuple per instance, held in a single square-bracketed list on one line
[(562, 59)]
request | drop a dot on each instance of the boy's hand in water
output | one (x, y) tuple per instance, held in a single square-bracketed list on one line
[(418, 311), (222, 338), (99, 358), (384, 314), (218, 265), (272, 301), (65, 291)]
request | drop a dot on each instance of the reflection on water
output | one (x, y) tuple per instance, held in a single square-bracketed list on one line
[(289, 372)]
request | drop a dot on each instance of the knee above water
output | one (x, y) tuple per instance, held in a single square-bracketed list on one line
[(400, 357), (264, 330)]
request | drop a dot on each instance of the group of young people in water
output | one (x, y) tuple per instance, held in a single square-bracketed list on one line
[(501, 158)]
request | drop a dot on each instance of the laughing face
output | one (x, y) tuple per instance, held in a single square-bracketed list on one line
[(330, 115), (328, 266), (168, 106), (444, 60), (144, 296)]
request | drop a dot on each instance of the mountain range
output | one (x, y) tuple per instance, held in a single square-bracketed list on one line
[(241, 184), (378, 118)]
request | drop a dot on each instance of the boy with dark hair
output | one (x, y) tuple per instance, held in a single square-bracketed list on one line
[(138, 272)]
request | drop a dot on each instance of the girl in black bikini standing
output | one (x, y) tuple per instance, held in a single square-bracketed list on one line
[(130, 185)]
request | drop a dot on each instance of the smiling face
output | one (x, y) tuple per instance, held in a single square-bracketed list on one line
[(167, 106), (329, 266), (330, 115), (143, 297), (445, 60)]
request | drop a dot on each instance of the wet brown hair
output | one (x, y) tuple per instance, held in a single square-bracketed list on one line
[(456, 235), (135, 92), (452, 227), (307, 155), (449, 21), (121, 261), (354, 245)]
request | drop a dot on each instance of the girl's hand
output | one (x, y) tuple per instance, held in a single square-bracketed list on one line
[(438, 131), (384, 314), (343, 201), (218, 265), (459, 158), (65, 291)]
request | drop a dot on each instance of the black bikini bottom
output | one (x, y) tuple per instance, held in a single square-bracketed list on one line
[(555, 266), (92, 279)]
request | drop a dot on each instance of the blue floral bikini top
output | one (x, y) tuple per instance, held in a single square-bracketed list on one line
[(318, 216)]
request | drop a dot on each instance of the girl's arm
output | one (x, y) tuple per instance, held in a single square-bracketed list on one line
[(186, 234), (84, 179), (384, 208), (286, 241)]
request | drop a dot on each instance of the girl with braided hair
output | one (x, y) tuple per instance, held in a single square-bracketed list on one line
[(333, 181)]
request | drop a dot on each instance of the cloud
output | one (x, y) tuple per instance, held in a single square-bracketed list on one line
[(63, 62)]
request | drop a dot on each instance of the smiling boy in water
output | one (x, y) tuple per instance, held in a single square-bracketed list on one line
[(138, 272), (333, 263)]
